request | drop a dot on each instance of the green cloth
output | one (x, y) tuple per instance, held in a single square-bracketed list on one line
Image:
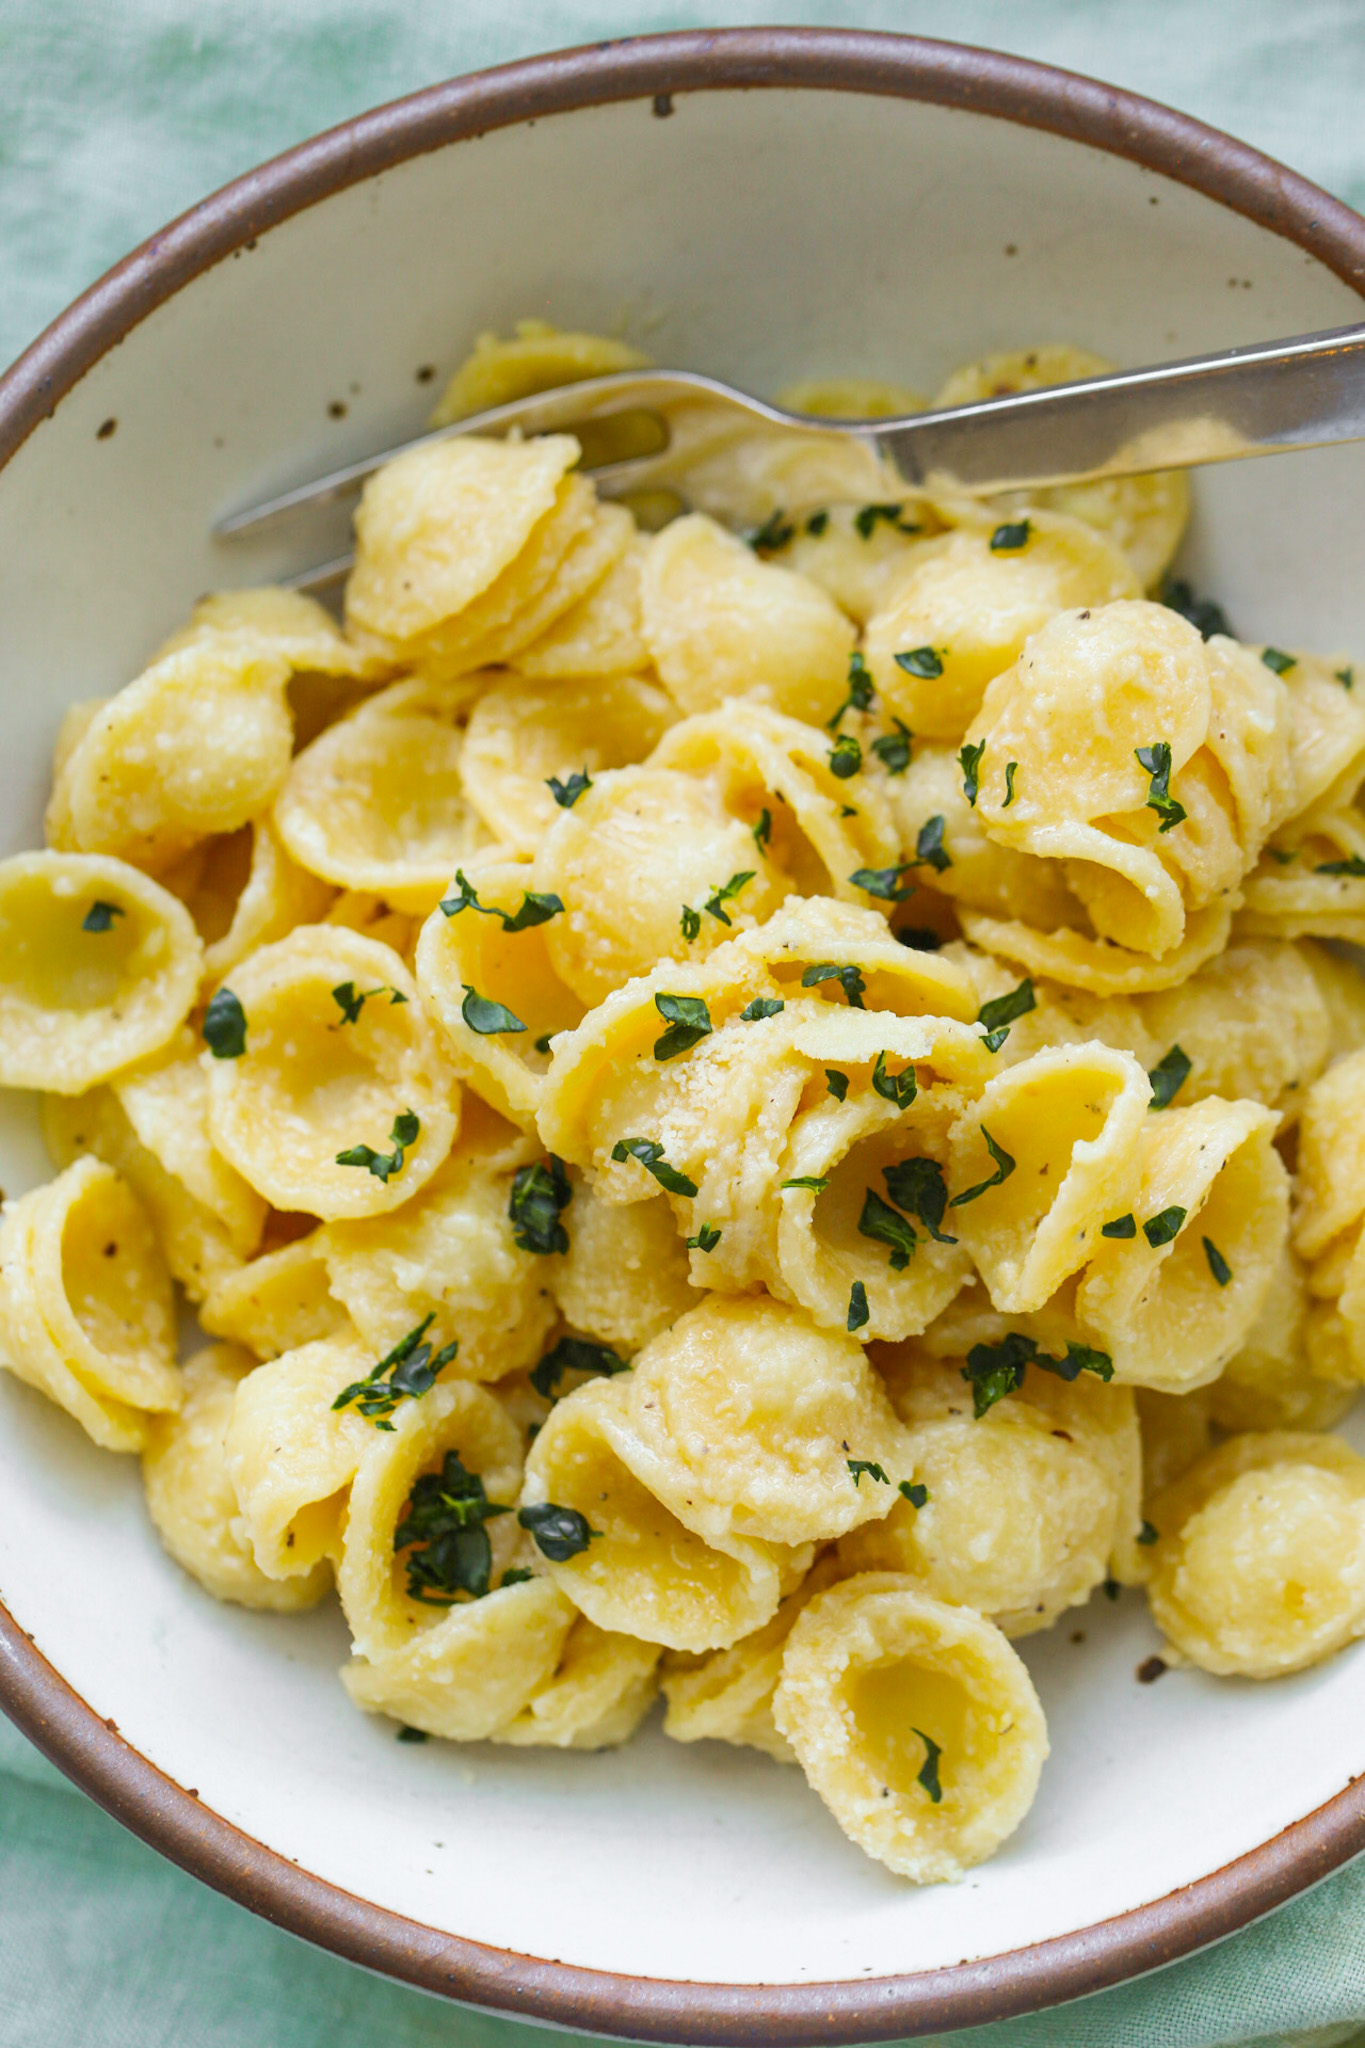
[(115, 115)]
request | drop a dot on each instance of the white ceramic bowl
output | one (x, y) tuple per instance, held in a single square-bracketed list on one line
[(764, 204)]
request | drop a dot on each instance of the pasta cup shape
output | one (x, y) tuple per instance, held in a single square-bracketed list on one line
[(719, 622), (196, 1243), (600, 1691), (624, 1277), (447, 1256), (1252, 1021), (808, 936), (1259, 1566), (643, 1573), (377, 802), (98, 966), (777, 777), (888, 1697), (495, 991), (1023, 1509), (1097, 965), (244, 891), (435, 527), (1069, 1119), (475, 1670), (285, 623), (536, 357), (190, 1497), (857, 559), (521, 733), (1168, 1310), (314, 1081), (636, 862), (840, 1224), (166, 1102), (1270, 1384), (1327, 741), (1330, 1186), (86, 1314), (278, 1302), (744, 1408), (971, 606), (292, 1453), (198, 744), (391, 1590)]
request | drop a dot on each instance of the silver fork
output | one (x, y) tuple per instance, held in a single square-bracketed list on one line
[(1268, 399)]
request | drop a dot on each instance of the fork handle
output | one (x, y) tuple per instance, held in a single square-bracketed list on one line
[(1267, 399)]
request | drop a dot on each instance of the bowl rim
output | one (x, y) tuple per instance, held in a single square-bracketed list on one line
[(89, 1749)]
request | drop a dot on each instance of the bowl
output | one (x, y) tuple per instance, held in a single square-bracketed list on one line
[(764, 204)]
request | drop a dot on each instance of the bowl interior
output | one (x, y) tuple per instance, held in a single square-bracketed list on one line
[(762, 235)]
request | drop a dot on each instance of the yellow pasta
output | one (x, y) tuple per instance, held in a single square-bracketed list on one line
[(596, 1698), (277, 1302), (244, 891), (335, 1058), (98, 966), (728, 1696), (292, 1453), (537, 357), (914, 1721), (601, 635), (85, 1304)]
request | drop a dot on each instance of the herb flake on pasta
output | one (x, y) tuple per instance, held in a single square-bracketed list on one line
[(929, 848), (559, 1533), (1203, 613), (1276, 659), (868, 517), (1121, 1226), (1004, 1167), (857, 1467), (917, 1186), (1218, 1265), (899, 1088), (1002, 1011), (887, 1226), (386, 1165), (689, 1021), (893, 748), (774, 533), (927, 1774), (911, 1490), (920, 938), (1354, 866), (442, 1530), (763, 829), (100, 916), (858, 1311), (845, 757), (573, 1354), (995, 1370), (1345, 676), (689, 924), (224, 1026), (726, 893), (540, 1193), (1156, 759), (485, 1016), (849, 979), (706, 1239), (649, 1153), (814, 1183), (535, 908), (567, 792), (761, 1007), (1164, 1227), (925, 662), (884, 883), (969, 760), (1148, 1534), (836, 1084), (1011, 770), (405, 1373), (351, 1000), (860, 691), (1011, 537), (1169, 1076)]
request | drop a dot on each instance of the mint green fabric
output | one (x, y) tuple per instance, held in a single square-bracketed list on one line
[(115, 115)]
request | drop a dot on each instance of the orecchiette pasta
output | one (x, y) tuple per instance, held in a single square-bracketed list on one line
[(749, 1080)]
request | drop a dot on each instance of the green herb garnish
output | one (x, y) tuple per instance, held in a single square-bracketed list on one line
[(1156, 759), (442, 1530), (1122, 1226), (573, 1354), (898, 1088), (1009, 538), (836, 1084), (774, 533), (849, 979), (1011, 770), (995, 1370), (866, 519), (100, 917), (689, 924), (761, 1007), (689, 1021), (1218, 1265), (1148, 1534), (1002, 1011), (861, 690), (845, 757), (1202, 612), (535, 909), (567, 792), (921, 661), (886, 1225), (858, 1466), (928, 1771), (406, 1372), (763, 830), (540, 1193), (893, 748), (485, 1016), (1346, 677), (649, 1153), (726, 893), (929, 848), (916, 1494), (917, 1186), (1354, 866), (706, 1239), (1275, 658), (884, 883), (816, 1183), (384, 1165), (858, 1310), (1004, 1167), (1168, 1077), (969, 760), (559, 1533), (351, 1000), (817, 523), (1164, 1227), (224, 1026), (921, 938)]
